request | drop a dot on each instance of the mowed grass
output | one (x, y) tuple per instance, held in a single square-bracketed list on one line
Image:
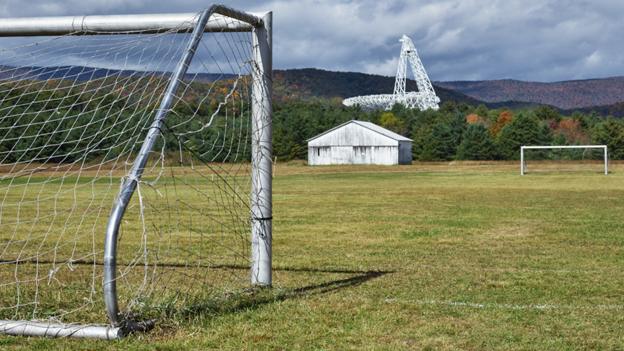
[(430, 256)]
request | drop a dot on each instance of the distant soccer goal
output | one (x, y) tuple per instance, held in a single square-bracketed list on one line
[(585, 153), (135, 168)]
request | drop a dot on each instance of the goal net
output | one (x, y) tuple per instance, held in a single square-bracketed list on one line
[(564, 158), (134, 166)]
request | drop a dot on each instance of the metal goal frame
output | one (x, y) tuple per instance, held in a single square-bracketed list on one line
[(523, 168), (261, 129)]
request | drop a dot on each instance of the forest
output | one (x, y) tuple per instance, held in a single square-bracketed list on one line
[(457, 131), (64, 123)]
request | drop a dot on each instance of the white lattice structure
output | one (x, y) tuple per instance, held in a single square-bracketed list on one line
[(423, 99)]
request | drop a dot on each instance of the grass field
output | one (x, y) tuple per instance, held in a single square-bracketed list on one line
[(429, 256)]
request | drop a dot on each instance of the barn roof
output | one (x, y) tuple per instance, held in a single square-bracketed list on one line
[(368, 125)]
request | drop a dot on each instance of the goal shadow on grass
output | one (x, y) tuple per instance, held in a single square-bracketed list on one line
[(197, 305), (254, 298)]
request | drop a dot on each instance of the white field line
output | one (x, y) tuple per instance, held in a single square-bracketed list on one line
[(475, 268), (504, 306)]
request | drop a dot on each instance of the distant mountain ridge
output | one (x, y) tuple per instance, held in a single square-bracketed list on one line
[(83, 73), (604, 96), (288, 84), (573, 94), (306, 83), (568, 96)]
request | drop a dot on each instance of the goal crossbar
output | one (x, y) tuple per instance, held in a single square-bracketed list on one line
[(546, 147), (223, 19)]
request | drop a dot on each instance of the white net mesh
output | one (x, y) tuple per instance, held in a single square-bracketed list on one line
[(74, 111)]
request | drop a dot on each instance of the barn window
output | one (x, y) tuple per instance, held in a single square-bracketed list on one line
[(318, 151)]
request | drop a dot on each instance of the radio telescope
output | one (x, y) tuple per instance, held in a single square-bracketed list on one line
[(424, 98)]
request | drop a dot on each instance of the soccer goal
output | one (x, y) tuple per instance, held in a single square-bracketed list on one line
[(604, 157), (135, 172)]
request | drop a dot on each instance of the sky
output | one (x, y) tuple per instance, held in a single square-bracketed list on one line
[(536, 40)]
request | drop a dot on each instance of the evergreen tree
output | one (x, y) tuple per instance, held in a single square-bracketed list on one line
[(458, 125), (525, 129), (477, 144), (611, 133), (439, 145), (546, 113), (481, 111)]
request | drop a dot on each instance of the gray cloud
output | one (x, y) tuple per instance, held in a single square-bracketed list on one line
[(542, 40)]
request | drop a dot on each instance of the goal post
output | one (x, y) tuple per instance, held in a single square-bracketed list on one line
[(262, 159), (75, 123), (604, 148)]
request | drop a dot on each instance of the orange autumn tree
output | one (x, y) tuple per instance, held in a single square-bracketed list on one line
[(504, 118), (474, 118), (572, 131)]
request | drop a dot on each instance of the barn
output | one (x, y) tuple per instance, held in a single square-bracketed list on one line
[(359, 142)]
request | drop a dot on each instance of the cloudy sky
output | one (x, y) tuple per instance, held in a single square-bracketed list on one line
[(543, 40)]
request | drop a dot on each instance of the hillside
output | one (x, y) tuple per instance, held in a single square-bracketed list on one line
[(564, 95), (83, 74), (310, 83), (616, 110), (295, 84)]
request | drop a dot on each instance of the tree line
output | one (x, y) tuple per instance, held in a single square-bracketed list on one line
[(49, 121), (455, 131)]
